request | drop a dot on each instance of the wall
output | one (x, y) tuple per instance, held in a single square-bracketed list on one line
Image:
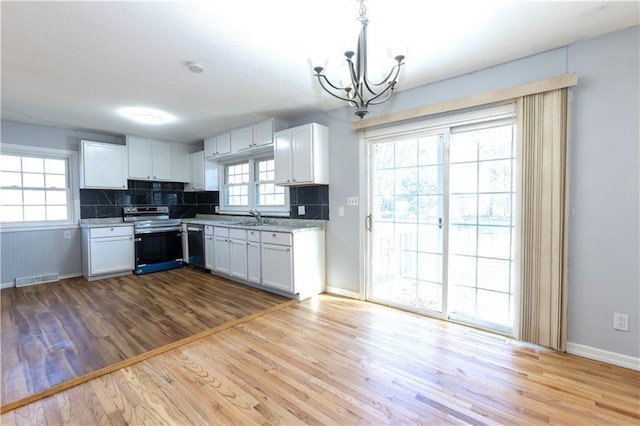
[(604, 188)]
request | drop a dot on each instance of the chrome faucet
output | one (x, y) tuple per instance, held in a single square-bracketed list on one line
[(257, 215)]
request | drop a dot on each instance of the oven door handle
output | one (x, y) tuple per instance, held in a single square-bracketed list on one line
[(157, 230)]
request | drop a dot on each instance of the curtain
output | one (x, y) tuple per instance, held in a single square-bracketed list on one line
[(543, 134)]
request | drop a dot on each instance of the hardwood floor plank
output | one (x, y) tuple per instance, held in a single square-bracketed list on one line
[(56, 333), (335, 361)]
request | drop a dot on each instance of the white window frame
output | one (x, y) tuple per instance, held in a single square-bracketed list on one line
[(73, 193), (282, 211)]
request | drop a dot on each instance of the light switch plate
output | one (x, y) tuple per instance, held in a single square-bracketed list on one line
[(352, 201), (301, 211)]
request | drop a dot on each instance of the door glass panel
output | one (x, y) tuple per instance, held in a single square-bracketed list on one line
[(407, 237), (481, 231)]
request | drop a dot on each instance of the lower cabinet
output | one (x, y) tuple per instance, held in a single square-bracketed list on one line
[(287, 263), (238, 253), (208, 247), (254, 275), (107, 252), (222, 260), (277, 265)]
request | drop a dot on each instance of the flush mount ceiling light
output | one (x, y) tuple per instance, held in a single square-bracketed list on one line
[(149, 116), (361, 92)]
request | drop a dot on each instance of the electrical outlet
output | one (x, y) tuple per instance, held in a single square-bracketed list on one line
[(66, 235), (620, 322), (301, 211)]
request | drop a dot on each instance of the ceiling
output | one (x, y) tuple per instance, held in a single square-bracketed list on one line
[(76, 64)]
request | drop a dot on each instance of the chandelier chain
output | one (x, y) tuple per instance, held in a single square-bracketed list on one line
[(363, 9)]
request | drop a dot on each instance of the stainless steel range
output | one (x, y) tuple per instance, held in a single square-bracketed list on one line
[(158, 239)]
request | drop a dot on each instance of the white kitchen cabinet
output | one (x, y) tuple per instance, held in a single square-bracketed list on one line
[(107, 252), (287, 263), (209, 249), (217, 145), (180, 162), (241, 139), (103, 165), (301, 155), (294, 262), (263, 131), (238, 253), (253, 257), (196, 172), (203, 173), (277, 267), (185, 243), (222, 259), (149, 159)]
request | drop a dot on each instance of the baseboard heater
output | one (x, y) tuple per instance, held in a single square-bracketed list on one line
[(37, 279)]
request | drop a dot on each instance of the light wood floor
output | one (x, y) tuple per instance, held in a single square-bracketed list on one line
[(54, 333), (330, 360)]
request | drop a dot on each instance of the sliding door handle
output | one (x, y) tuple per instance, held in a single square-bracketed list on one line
[(368, 223)]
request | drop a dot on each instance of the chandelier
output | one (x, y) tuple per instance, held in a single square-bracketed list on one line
[(361, 92)]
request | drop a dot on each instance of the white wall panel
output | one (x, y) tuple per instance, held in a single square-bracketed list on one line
[(39, 252)]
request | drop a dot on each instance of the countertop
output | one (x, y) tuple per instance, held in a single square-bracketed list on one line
[(271, 225), (103, 223)]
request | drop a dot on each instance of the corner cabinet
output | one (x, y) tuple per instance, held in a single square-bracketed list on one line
[(203, 173), (301, 155), (103, 165), (107, 252)]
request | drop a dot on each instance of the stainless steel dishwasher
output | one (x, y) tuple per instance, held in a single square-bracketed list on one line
[(196, 246)]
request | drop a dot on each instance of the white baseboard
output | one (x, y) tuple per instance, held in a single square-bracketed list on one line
[(342, 292), (596, 354), (7, 285)]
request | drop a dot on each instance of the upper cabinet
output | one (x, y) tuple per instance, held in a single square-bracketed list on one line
[(251, 139), (301, 155), (242, 139), (203, 173), (217, 145), (103, 165), (151, 159), (264, 130)]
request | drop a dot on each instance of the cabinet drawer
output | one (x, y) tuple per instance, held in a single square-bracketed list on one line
[(208, 230), (237, 234), (280, 238), (221, 232), (253, 236), (114, 231)]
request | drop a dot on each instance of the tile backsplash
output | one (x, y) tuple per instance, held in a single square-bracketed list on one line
[(104, 203), (315, 200)]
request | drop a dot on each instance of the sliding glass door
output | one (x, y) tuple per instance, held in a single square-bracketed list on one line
[(441, 222)]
